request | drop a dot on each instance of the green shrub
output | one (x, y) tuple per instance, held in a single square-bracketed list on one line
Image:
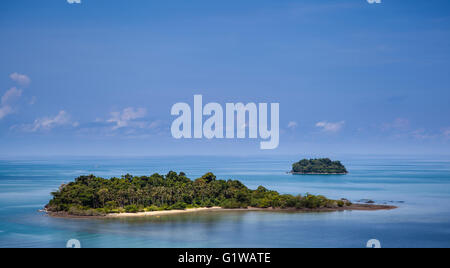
[(152, 208), (164, 207), (111, 205), (207, 204), (131, 209), (76, 211), (104, 211), (94, 212), (178, 206), (80, 211), (231, 204), (264, 203)]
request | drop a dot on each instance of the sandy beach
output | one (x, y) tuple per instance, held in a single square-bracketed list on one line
[(360, 207), (162, 213), (355, 207)]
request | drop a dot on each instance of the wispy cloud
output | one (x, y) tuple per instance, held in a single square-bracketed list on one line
[(155, 124), (292, 125), (402, 128), (4, 111), (10, 95), (330, 126), (398, 124), (422, 134), (138, 127), (6, 101), (48, 123), (21, 79), (74, 1), (446, 133), (127, 117)]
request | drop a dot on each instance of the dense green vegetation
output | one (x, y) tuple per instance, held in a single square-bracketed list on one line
[(93, 196), (319, 166)]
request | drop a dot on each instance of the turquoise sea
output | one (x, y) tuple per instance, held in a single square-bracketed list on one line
[(419, 186)]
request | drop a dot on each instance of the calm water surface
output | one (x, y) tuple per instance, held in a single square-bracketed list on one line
[(419, 186)]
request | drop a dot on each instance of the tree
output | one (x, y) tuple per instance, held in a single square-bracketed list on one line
[(103, 195), (90, 195)]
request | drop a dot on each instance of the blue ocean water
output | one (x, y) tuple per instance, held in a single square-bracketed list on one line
[(419, 186)]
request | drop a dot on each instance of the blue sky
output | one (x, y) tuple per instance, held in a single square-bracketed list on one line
[(100, 77)]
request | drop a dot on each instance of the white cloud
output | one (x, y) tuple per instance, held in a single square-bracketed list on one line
[(155, 124), (446, 133), (74, 1), (6, 100), (126, 117), (4, 111), (5, 104), (398, 124), (21, 79), (47, 123), (401, 123), (137, 127), (292, 125), (330, 127), (11, 94), (421, 134)]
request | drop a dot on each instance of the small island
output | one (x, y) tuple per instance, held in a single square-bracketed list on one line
[(322, 166), (175, 193)]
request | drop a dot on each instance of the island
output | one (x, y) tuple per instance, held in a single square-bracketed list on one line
[(90, 196), (322, 166)]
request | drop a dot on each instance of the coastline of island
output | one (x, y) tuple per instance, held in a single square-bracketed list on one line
[(174, 193), (353, 207)]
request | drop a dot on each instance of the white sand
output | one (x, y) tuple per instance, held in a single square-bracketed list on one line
[(161, 213), (172, 212)]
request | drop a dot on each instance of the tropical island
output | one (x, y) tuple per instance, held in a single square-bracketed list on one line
[(128, 195), (322, 166)]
